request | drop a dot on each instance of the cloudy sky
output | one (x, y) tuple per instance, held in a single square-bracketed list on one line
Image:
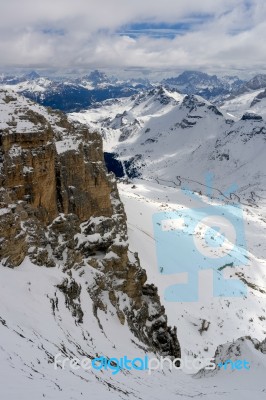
[(160, 34)]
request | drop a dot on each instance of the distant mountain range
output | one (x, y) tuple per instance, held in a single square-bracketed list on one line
[(71, 94), (76, 94), (212, 87), (207, 86)]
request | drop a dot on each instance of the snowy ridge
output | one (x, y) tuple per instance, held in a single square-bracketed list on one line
[(185, 136), (237, 106)]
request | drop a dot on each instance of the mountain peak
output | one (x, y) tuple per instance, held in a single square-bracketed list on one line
[(31, 76), (196, 76), (203, 84), (97, 77), (257, 82), (193, 78)]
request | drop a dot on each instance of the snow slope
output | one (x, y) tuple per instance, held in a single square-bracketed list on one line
[(120, 119), (174, 142), (229, 318), (237, 106), (168, 136), (35, 325)]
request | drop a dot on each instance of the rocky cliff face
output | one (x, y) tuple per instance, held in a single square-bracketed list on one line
[(60, 208)]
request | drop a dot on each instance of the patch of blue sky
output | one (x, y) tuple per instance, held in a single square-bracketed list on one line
[(164, 30), (155, 33), (248, 4), (237, 30), (53, 31)]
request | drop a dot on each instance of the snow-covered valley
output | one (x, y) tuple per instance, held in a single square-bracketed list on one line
[(229, 318)]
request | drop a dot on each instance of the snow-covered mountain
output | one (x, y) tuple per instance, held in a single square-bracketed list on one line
[(163, 134), (213, 87), (167, 142), (255, 83), (96, 79), (251, 102), (75, 94), (120, 119), (208, 86), (248, 98), (69, 283), (13, 79), (71, 94)]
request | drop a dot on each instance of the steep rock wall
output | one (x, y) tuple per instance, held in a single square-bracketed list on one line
[(59, 207)]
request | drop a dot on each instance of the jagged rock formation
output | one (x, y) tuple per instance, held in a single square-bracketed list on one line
[(251, 116), (59, 207), (208, 86)]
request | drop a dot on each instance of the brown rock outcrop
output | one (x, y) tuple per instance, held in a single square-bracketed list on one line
[(58, 206)]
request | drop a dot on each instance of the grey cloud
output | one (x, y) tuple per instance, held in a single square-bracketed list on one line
[(60, 33)]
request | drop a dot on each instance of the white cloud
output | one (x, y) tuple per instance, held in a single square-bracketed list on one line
[(80, 33)]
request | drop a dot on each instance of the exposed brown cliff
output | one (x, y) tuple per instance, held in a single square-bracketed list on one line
[(59, 207)]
